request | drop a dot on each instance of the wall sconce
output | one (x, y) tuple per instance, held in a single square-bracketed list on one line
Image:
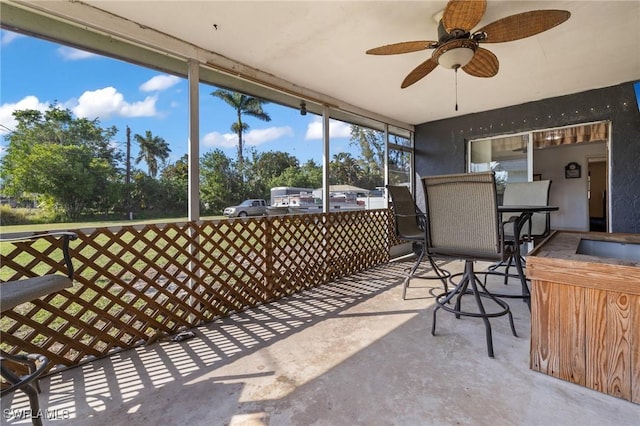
[(303, 108)]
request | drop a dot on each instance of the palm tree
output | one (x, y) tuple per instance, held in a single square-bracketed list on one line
[(152, 148), (345, 169), (244, 105)]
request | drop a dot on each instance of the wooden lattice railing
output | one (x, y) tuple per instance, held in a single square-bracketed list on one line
[(135, 283)]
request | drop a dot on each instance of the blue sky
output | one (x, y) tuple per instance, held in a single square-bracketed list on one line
[(35, 73)]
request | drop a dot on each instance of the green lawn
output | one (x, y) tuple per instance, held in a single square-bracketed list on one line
[(97, 224)]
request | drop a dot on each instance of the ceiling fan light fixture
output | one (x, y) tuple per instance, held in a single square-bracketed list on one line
[(456, 53), (456, 58)]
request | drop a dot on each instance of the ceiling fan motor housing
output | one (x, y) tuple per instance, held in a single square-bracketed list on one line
[(445, 36)]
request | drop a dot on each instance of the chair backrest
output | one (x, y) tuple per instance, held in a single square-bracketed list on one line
[(407, 220), (529, 193), (462, 216)]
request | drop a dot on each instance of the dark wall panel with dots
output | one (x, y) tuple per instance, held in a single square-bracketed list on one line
[(441, 145)]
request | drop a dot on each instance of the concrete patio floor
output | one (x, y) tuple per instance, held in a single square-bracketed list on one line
[(348, 353)]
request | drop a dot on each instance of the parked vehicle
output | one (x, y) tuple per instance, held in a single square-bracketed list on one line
[(285, 195), (287, 199), (252, 207)]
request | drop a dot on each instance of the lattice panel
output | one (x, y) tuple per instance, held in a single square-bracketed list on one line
[(134, 283), (298, 246), (232, 265), (359, 240)]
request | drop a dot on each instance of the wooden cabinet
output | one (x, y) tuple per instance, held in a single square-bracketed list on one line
[(585, 313)]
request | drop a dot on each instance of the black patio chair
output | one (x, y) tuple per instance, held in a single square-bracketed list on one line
[(410, 226), (537, 228)]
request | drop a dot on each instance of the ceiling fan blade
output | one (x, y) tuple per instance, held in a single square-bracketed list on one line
[(523, 25), (404, 47), (419, 72), (483, 64), (463, 14)]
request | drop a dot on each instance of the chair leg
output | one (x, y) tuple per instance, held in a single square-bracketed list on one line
[(496, 265), (485, 319), (497, 301), (34, 403), (410, 274), (28, 383), (506, 269), (441, 273), (526, 296), (471, 284), (447, 298)]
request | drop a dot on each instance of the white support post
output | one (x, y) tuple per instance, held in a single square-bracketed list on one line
[(194, 162), (386, 164), (194, 140), (326, 206)]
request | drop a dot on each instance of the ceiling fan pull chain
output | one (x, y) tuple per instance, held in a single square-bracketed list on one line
[(456, 69)]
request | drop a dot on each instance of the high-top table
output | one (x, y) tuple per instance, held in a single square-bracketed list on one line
[(525, 213)]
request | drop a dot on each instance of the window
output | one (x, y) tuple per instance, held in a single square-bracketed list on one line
[(506, 156), (400, 155)]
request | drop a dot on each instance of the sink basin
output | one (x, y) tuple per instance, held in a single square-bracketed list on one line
[(610, 249)]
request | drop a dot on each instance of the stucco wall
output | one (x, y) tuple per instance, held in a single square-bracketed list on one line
[(440, 145)]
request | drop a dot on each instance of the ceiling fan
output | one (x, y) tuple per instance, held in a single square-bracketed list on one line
[(458, 47)]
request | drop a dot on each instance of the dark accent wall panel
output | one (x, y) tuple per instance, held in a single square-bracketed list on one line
[(440, 145)]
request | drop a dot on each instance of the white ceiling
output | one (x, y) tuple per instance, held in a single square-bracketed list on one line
[(320, 46)]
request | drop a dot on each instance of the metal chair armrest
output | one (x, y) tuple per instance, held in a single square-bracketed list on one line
[(36, 363), (66, 236)]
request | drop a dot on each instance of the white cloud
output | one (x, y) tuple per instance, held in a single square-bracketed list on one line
[(8, 37), (219, 140), (251, 138), (7, 121), (337, 129), (71, 54), (108, 102), (159, 82), (260, 136)]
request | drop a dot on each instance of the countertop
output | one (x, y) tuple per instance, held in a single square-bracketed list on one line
[(564, 245)]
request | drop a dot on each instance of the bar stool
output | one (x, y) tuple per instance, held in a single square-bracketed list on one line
[(463, 223)]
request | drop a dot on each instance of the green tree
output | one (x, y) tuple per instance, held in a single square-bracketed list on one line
[(175, 179), (344, 170), (243, 105), (152, 148), (263, 168), (312, 172), (153, 198), (70, 162), (307, 176), (178, 171), (372, 149), (220, 182)]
